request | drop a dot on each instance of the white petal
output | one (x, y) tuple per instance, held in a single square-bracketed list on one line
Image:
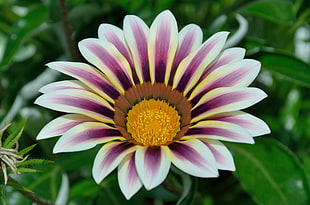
[(85, 136), (222, 155), (192, 67), (152, 165), (194, 158), (109, 157), (219, 130), (136, 35), (61, 125), (128, 178), (162, 46)]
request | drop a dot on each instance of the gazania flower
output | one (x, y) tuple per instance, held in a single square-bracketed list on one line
[(154, 97)]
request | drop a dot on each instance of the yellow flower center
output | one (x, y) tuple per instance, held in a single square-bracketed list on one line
[(153, 122)]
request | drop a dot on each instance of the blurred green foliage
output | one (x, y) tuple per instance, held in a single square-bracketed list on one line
[(274, 171)]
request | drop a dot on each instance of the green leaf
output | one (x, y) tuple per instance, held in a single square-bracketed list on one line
[(86, 188), (26, 170), (271, 173), (12, 139), (2, 197), (288, 66), (18, 186), (34, 161), (279, 11), (21, 30), (26, 150)]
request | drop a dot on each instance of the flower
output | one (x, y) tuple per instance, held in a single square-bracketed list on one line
[(154, 97)]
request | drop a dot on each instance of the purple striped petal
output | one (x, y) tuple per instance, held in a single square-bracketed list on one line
[(136, 35), (222, 155), (219, 130), (128, 178), (62, 85), (115, 36), (61, 125), (89, 76), (191, 68), (109, 60), (238, 74), (224, 99), (79, 102), (85, 136), (194, 158), (109, 157), (152, 165), (252, 124), (228, 56), (162, 46), (190, 38)]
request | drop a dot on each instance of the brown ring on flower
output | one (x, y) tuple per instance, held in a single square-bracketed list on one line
[(145, 92)]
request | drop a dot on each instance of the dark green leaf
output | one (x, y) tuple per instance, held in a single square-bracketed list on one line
[(18, 186), (14, 136), (34, 161), (288, 66), (26, 150), (271, 173), (2, 197), (22, 29), (86, 188), (24, 170), (279, 11)]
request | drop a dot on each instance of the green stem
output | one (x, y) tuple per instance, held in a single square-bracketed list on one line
[(171, 187), (71, 45), (31, 196)]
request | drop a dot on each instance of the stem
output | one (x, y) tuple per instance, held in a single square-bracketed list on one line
[(71, 45), (170, 187), (31, 196)]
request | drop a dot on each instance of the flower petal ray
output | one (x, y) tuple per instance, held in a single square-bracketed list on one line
[(128, 178), (152, 165), (109, 157), (194, 158), (85, 136)]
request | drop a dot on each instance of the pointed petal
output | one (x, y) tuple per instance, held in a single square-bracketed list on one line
[(152, 165), (238, 74), (114, 35), (62, 85), (190, 38), (128, 178), (109, 157), (61, 125), (219, 130), (85, 136), (194, 158), (109, 60), (191, 68), (252, 124), (222, 155), (89, 75), (230, 55), (136, 35), (224, 99), (162, 46), (78, 102)]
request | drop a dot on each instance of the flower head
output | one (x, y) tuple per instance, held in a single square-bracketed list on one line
[(154, 97)]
